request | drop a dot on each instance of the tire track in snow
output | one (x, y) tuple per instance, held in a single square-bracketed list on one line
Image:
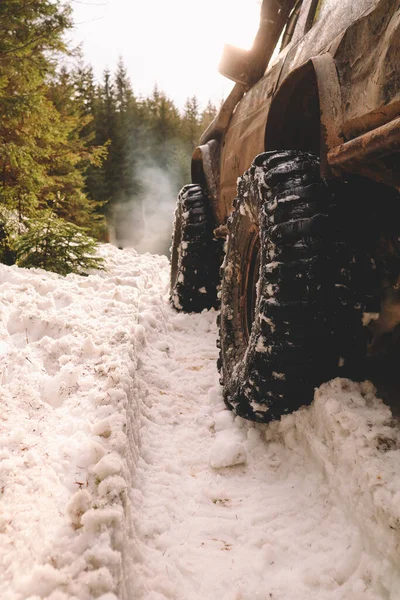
[(268, 527)]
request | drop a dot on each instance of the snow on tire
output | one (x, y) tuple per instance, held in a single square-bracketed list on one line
[(195, 254), (290, 300)]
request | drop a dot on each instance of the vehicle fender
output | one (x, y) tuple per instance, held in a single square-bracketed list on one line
[(319, 127), (205, 171)]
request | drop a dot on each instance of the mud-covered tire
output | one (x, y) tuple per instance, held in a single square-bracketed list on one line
[(195, 254), (301, 323)]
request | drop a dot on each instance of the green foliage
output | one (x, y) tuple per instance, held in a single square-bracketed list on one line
[(31, 32), (72, 144), (42, 147), (9, 228), (72, 156), (52, 243)]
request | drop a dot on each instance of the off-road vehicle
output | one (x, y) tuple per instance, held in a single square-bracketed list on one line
[(300, 173)]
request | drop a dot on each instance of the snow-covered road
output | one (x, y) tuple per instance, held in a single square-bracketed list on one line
[(231, 510), (122, 474)]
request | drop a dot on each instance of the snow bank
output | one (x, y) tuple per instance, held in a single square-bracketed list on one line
[(69, 433), (353, 439), (357, 442)]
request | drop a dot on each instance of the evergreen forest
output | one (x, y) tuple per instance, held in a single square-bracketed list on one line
[(80, 159)]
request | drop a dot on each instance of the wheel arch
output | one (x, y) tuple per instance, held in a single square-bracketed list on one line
[(306, 111), (205, 171)]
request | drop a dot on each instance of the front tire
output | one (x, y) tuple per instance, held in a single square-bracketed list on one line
[(290, 311), (195, 254)]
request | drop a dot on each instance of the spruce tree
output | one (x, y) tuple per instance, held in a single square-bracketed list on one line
[(43, 152), (126, 139), (207, 116), (191, 125), (162, 122), (72, 154), (52, 243), (30, 37)]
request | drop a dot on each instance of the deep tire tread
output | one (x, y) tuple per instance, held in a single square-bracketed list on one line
[(312, 280), (196, 255)]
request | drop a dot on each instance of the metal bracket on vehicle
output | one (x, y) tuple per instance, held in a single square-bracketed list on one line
[(364, 154), (330, 106)]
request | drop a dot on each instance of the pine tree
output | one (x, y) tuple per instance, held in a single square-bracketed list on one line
[(105, 116), (191, 126), (126, 138), (41, 150), (52, 243), (207, 116), (85, 91), (162, 122), (72, 154), (30, 35), (124, 93), (88, 96)]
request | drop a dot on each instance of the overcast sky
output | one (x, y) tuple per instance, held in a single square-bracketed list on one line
[(175, 43)]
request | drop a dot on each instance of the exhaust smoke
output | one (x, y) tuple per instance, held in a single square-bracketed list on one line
[(146, 221)]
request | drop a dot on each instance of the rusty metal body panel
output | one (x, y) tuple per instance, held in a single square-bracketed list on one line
[(365, 154), (346, 64), (367, 60), (244, 138), (333, 21)]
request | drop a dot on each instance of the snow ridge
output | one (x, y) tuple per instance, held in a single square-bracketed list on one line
[(68, 358)]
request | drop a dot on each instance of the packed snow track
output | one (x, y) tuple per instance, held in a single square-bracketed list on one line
[(123, 476)]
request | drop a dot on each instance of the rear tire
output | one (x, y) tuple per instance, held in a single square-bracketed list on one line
[(291, 315), (195, 254)]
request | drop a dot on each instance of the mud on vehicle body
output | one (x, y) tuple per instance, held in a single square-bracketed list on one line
[(300, 171)]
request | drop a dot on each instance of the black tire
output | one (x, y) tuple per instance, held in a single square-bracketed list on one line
[(301, 323), (195, 254)]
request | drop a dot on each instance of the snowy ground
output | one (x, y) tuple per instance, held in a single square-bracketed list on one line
[(122, 476)]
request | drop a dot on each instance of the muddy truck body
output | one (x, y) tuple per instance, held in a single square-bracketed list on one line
[(298, 177)]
